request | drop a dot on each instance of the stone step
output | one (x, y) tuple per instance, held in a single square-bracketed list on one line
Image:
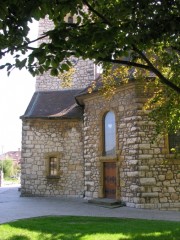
[(106, 202)]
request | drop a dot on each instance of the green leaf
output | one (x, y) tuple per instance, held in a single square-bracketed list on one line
[(54, 72), (55, 63), (64, 67)]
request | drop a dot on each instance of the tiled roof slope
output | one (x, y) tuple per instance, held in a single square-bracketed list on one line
[(54, 104)]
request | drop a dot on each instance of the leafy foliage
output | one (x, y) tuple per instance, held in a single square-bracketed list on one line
[(164, 105), (7, 166), (66, 77), (143, 35)]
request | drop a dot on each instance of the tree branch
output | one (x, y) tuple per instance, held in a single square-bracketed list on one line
[(156, 71), (37, 39), (22, 46), (31, 48), (97, 13), (124, 62)]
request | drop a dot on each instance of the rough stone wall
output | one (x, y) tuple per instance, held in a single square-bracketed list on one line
[(40, 139), (83, 76), (154, 173), (146, 177), (85, 70), (95, 108)]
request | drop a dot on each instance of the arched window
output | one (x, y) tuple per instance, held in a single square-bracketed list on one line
[(109, 134)]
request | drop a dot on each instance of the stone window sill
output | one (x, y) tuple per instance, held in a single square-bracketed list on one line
[(108, 158), (173, 155), (172, 158)]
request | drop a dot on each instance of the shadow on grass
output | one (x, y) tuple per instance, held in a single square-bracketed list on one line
[(92, 228), (17, 237)]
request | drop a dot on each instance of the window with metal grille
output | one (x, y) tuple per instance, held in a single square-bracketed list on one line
[(53, 166), (174, 143)]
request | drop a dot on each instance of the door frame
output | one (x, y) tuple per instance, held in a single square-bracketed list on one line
[(111, 159), (108, 185)]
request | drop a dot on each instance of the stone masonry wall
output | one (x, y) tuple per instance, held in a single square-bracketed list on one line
[(83, 76), (146, 177), (155, 173), (95, 108), (40, 139), (85, 70)]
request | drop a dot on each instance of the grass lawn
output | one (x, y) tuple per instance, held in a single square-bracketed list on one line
[(89, 228), (9, 181)]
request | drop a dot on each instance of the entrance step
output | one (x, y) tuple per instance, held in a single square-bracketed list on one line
[(106, 202)]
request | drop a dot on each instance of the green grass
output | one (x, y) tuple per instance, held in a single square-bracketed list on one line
[(89, 228), (9, 180)]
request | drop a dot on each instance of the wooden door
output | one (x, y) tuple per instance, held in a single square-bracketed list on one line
[(110, 180)]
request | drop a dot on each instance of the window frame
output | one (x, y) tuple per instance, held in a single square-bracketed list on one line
[(104, 134), (70, 19), (48, 158), (53, 166), (171, 143)]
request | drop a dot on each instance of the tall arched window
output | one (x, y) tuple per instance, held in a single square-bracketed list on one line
[(109, 134)]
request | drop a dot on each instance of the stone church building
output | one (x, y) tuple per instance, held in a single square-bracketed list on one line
[(82, 145)]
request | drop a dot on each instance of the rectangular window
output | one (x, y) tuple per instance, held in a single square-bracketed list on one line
[(70, 19), (174, 143), (53, 166)]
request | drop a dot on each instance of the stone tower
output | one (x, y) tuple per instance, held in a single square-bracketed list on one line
[(52, 133), (84, 70)]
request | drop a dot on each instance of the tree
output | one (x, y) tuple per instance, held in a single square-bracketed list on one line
[(7, 166), (138, 34)]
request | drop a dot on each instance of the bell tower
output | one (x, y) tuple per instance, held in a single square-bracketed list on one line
[(84, 71)]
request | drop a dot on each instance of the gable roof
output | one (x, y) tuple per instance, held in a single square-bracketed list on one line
[(54, 104), (89, 90)]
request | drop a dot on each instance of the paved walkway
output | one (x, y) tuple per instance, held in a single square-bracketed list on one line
[(13, 207)]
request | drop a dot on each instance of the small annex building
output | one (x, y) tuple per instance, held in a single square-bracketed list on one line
[(81, 145)]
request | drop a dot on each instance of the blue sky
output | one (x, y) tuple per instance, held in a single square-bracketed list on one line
[(15, 94)]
